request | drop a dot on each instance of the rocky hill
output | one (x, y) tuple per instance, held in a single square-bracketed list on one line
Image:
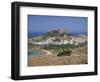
[(57, 32), (61, 34)]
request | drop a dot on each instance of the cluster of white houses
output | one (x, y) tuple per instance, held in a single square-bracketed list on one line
[(73, 40)]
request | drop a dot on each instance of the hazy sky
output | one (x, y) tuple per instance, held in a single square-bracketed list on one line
[(40, 23)]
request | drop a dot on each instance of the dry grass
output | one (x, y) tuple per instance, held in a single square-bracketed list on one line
[(48, 60), (78, 56)]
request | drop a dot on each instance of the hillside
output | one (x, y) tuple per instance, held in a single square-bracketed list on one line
[(57, 33)]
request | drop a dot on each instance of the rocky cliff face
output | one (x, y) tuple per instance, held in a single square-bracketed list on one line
[(57, 32)]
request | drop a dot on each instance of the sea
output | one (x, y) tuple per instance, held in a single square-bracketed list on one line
[(35, 34)]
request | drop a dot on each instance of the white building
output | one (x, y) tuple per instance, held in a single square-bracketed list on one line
[(74, 40)]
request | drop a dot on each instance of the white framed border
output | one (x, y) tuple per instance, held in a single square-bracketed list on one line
[(24, 70)]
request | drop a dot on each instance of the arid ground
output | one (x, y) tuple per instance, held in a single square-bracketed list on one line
[(78, 56)]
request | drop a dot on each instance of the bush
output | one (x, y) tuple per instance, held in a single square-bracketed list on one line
[(65, 53)]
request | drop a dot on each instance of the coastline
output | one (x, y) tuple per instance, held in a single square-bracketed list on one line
[(47, 52), (44, 51)]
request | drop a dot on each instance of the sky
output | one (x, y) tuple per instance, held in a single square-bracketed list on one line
[(44, 23)]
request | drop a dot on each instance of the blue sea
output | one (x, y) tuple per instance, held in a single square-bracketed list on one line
[(78, 33), (34, 53), (34, 34)]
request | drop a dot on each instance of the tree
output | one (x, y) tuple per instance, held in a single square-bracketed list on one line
[(65, 53)]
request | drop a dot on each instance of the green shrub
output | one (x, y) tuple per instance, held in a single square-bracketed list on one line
[(65, 53)]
